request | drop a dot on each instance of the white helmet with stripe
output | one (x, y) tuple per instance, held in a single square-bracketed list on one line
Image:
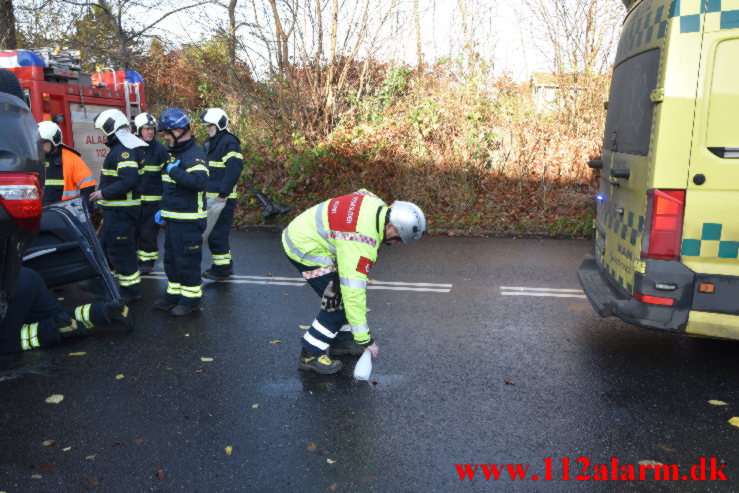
[(50, 131), (215, 116), (143, 120), (409, 220), (110, 121)]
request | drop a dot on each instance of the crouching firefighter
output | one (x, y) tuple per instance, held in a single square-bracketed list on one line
[(35, 319), (334, 245), (183, 210), (155, 157), (120, 199), (225, 163), (67, 175)]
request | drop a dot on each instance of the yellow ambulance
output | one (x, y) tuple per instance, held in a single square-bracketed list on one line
[(666, 252)]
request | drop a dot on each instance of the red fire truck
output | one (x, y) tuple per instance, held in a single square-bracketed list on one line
[(57, 90)]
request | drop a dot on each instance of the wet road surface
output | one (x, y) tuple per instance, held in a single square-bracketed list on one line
[(481, 362)]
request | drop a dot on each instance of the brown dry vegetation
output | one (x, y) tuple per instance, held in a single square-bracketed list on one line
[(476, 156)]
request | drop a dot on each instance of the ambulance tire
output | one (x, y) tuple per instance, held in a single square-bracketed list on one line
[(9, 83)]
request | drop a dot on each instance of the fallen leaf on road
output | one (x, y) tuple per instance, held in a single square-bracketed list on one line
[(269, 274), (312, 447), (187, 335), (36, 476), (54, 399), (160, 474), (369, 309), (331, 461), (90, 457), (275, 341), (734, 421), (229, 450), (120, 376), (650, 463), (92, 481), (304, 327), (199, 371), (81, 353), (67, 449), (333, 486), (169, 369), (255, 406), (510, 382), (138, 440), (669, 448), (717, 403), (206, 359), (48, 443)]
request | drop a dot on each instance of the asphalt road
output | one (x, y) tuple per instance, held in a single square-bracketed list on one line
[(470, 371)]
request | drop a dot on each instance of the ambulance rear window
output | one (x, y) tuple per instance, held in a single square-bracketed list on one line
[(630, 109)]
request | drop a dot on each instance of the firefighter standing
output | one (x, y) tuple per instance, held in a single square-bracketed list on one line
[(120, 199), (183, 209), (334, 244), (225, 163), (155, 157), (67, 175)]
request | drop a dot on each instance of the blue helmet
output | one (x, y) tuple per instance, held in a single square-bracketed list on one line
[(173, 118)]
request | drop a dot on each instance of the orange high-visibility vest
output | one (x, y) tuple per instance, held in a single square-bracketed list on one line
[(76, 174)]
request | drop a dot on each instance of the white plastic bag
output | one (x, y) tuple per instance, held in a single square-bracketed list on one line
[(363, 370)]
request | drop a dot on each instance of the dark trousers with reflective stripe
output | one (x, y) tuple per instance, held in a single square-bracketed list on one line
[(183, 253), (33, 317), (327, 325), (119, 236), (148, 248), (218, 241)]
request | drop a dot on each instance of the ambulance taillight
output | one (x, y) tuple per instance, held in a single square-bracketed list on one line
[(663, 224)]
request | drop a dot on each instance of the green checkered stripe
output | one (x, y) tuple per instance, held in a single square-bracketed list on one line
[(651, 23), (710, 244), (628, 226)]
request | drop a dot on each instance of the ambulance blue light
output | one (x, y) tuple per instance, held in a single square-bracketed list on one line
[(600, 198)]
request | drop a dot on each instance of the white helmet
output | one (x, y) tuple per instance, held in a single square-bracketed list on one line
[(409, 220), (215, 116), (50, 131), (110, 121), (143, 120)]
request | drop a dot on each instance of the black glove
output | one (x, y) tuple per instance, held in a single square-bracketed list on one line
[(331, 299)]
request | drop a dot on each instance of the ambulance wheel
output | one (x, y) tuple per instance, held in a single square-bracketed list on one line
[(9, 83)]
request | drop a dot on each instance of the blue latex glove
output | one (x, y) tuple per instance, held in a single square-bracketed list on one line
[(172, 165), (158, 218)]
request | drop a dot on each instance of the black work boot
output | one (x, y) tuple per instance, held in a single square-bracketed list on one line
[(164, 304), (343, 345), (181, 310), (215, 275), (320, 364), (118, 311)]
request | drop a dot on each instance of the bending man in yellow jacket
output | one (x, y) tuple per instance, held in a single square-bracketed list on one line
[(334, 245)]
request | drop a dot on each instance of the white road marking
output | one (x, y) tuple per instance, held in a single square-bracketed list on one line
[(541, 292), (299, 281), (549, 290), (550, 295)]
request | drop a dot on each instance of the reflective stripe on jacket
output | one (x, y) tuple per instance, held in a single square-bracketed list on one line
[(119, 178), (225, 163), (183, 196), (346, 232)]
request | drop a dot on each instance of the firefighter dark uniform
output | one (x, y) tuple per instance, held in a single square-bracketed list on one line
[(183, 208), (35, 319), (225, 163), (67, 176), (155, 157), (121, 204)]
